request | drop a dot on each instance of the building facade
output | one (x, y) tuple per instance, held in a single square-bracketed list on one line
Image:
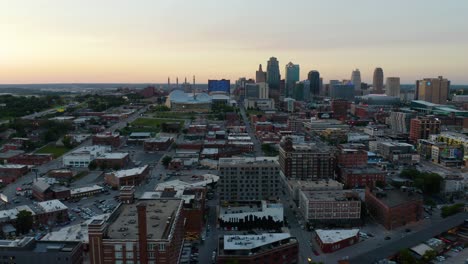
[(395, 208), (248, 179), (377, 82), (423, 126), (392, 86), (306, 161), (149, 232), (292, 76), (434, 90)]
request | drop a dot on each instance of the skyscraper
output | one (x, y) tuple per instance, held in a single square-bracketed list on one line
[(260, 75), (273, 73), (378, 81), (314, 79), (356, 80), (392, 86), (292, 76), (434, 90)]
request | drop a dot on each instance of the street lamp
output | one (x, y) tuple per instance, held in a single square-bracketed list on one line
[(309, 260)]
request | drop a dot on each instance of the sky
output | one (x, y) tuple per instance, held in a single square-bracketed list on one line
[(147, 41)]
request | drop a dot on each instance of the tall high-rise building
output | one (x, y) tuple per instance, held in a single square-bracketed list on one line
[(392, 86), (263, 90), (434, 90), (378, 81), (273, 73), (292, 76), (356, 81), (260, 75), (314, 79)]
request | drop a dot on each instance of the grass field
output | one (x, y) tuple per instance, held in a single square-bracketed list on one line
[(56, 151), (154, 122), (175, 115)]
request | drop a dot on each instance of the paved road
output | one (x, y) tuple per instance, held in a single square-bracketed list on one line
[(248, 128), (409, 240)]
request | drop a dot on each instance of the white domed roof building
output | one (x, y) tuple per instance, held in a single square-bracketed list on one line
[(189, 102)]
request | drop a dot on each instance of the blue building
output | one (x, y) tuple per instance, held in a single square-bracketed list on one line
[(219, 86)]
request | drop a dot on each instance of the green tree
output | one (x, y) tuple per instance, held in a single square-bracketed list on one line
[(92, 165), (380, 184), (67, 142), (24, 221), (428, 256), (166, 160), (406, 257)]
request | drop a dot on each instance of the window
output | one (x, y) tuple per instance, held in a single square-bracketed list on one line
[(118, 262), (151, 246), (129, 255), (162, 247), (118, 255), (129, 246), (118, 247)]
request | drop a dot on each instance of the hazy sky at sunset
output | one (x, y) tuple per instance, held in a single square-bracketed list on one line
[(45, 41)]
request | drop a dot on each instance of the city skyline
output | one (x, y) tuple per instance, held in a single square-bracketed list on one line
[(145, 42)]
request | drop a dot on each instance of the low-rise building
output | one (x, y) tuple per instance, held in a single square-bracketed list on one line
[(130, 177), (333, 240), (253, 249), (395, 208), (43, 191), (340, 207), (29, 250), (241, 215), (86, 191), (157, 144), (32, 159), (11, 172), (362, 176), (107, 139), (453, 185), (294, 187), (61, 174), (114, 160), (83, 156), (51, 212)]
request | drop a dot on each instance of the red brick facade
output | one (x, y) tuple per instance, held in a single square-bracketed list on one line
[(393, 215)]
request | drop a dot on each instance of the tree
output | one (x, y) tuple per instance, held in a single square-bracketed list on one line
[(67, 142), (92, 165), (166, 160), (380, 184), (24, 221), (406, 257), (428, 256)]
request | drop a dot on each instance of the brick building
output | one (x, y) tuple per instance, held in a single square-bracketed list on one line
[(113, 160), (362, 176), (158, 144), (61, 175), (11, 172), (348, 158), (340, 108), (253, 249), (333, 240), (130, 177), (340, 207), (395, 208), (32, 159), (42, 191), (107, 139), (148, 232), (306, 161), (423, 126)]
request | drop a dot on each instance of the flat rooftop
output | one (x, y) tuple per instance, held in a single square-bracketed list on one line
[(325, 184), (333, 236), (394, 198), (130, 172), (237, 161), (113, 155), (331, 195), (363, 170), (160, 215), (248, 242)]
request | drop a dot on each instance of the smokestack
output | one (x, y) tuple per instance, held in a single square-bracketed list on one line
[(177, 82), (142, 233), (168, 83)]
